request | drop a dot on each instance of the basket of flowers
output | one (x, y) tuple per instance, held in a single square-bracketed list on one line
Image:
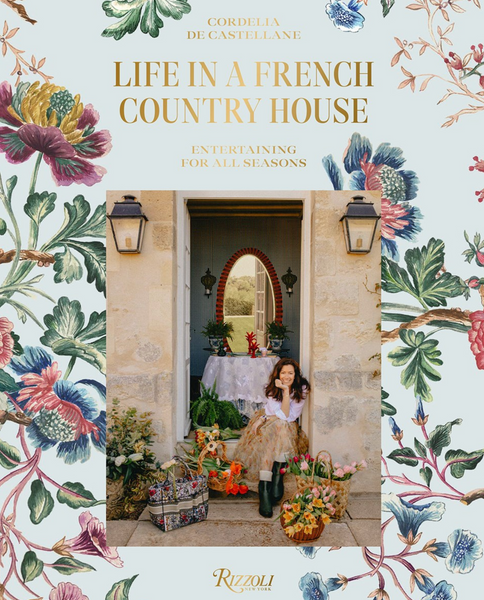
[(208, 456), (320, 471), (305, 515)]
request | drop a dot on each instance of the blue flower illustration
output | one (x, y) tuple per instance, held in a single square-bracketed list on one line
[(308, 551), (381, 171), (420, 417), (442, 591), (65, 414), (345, 16), (312, 587), (397, 433), (410, 516), (423, 581), (465, 549)]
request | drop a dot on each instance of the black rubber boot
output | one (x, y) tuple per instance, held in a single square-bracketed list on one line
[(265, 501), (277, 491)]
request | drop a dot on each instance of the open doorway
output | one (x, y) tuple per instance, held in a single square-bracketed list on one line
[(248, 245)]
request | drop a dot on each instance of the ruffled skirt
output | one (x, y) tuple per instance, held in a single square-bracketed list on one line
[(257, 451)]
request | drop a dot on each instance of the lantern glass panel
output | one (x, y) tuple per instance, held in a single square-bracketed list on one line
[(128, 233), (359, 233)]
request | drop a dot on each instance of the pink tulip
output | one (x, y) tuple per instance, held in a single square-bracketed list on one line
[(316, 492), (304, 465)]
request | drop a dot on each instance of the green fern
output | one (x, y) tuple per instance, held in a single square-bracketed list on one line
[(208, 410)]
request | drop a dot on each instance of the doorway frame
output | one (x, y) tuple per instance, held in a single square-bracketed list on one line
[(182, 197)]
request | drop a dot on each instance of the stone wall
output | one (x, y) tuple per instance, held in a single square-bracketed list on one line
[(345, 398), (141, 325), (344, 406)]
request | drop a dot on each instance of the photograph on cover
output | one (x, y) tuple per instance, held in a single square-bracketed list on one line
[(243, 368)]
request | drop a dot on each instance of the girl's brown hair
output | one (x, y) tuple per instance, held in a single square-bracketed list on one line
[(299, 388)]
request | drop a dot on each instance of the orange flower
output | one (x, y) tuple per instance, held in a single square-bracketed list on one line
[(296, 508), (234, 489), (243, 489), (236, 468), (288, 516), (308, 528)]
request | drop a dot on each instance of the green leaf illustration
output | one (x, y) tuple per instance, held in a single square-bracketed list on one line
[(148, 12), (386, 6), (404, 456), (69, 566), (76, 225), (9, 455), (394, 278), (467, 461), (40, 502), (439, 438), (120, 590), (419, 354), (79, 496), (94, 254), (426, 475), (39, 206), (424, 266), (423, 279), (66, 267), (31, 566), (420, 448), (7, 383), (387, 409), (67, 336)]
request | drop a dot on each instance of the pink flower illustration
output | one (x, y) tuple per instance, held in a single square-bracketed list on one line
[(92, 541), (476, 337), (6, 342), (67, 591), (48, 119)]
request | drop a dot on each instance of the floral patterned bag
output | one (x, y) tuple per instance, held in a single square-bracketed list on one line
[(180, 501)]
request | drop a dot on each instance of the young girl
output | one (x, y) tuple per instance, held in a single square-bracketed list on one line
[(273, 434)]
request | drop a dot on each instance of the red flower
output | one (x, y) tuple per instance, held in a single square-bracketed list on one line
[(296, 458), (212, 474), (234, 489), (6, 342), (477, 53), (476, 337), (282, 471), (455, 61), (243, 489), (236, 468), (152, 492)]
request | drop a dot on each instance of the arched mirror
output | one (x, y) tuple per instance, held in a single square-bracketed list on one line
[(249, 301)]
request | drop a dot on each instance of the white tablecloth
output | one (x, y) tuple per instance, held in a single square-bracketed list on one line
[(240, 379)]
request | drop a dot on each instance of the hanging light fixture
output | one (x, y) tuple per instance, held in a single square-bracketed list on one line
[(289, 279), (359, 225), (128, 224), (208, 281)]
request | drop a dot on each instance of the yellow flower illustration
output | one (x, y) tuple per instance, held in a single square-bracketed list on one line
[(296, 508), (288, 516), (317, 502)]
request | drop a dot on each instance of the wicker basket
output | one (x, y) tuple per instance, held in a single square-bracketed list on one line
[(215, 483), (341, 488), (300, 536)]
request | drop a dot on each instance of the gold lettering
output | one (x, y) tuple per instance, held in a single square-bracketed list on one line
[(122, 112)]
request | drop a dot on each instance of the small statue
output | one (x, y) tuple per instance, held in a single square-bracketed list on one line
[(221, 349)]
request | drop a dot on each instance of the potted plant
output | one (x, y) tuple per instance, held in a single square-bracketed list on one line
[(277, 333), (217, 331)]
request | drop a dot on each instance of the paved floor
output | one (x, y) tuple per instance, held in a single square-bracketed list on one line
[(236, 522)]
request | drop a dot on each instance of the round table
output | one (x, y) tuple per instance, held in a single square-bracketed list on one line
[(240, 379)]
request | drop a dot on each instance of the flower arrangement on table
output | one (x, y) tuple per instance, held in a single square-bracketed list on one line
[(203, 457), (304, 517), (320, 470)]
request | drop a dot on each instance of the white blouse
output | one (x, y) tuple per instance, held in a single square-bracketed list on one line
[(273, 407)]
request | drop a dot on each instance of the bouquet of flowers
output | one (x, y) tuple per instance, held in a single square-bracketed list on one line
[(304, 516), (321, 471), (319, 468), (204, 458)]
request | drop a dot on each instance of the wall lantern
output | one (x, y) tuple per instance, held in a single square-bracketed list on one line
[(208, 281), (359, 225), (128, 225), (289, 279)]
